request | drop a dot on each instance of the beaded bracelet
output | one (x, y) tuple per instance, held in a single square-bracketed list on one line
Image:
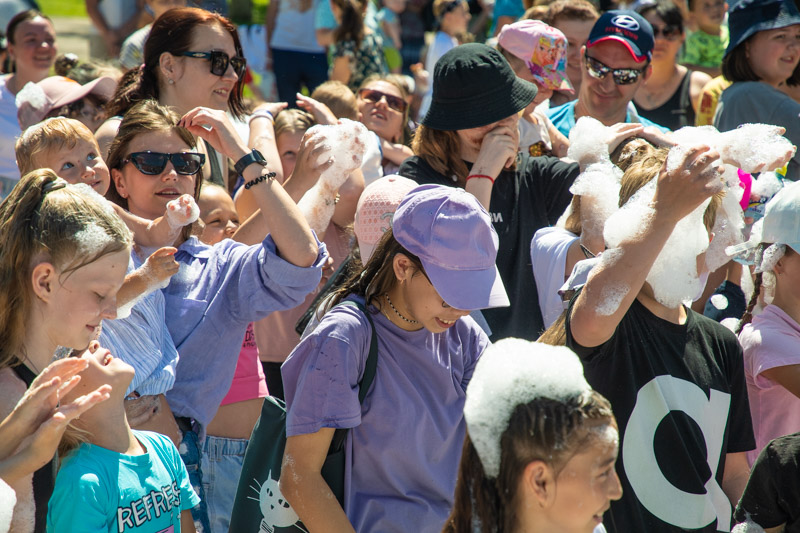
[(484, 176), (262, 177)]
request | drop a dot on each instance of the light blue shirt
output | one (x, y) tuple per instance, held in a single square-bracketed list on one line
[(563, 117), (218, 291), (324, 19), (143, 341)]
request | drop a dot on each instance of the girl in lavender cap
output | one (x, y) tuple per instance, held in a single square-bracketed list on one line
[(433, 266)]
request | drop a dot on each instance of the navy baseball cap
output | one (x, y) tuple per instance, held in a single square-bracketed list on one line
[(626, 27)]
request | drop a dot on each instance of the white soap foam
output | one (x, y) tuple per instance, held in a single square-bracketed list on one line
[(598, 187), (345, 144), (177, 213), (770, 257), (753, 145), (747, 527), (767, 185), (8, 499), (92, 239), (513, 372), (587, 140), (719, 301), (730, 323)]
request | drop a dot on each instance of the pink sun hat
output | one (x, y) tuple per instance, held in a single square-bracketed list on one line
[(543, 48), (376, 207)]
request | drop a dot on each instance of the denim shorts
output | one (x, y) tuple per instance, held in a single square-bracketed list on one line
[(190, 454), (221, 465)]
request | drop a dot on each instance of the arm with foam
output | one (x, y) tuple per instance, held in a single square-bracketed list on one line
[(164, 230)]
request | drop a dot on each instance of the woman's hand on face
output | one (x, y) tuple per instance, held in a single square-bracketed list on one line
[(498, 149), (213, 126), (321, 113)]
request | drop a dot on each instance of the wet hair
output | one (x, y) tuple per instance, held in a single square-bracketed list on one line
[(55, 134), (292, 121), (339, 98), (351, 27), (399, 83), (571, 10), (543, 429), (666, 10), (645, 168), (145, 117), (41, 221), (377, 276), (736, 66), (172, 33)]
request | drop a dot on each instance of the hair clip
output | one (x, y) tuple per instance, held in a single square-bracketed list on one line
[(56, 184)]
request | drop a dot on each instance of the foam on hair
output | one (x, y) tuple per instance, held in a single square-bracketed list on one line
[(510, 373)]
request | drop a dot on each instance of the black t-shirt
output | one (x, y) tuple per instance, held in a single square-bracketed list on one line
[(679, 396), (523, 200), (44, 479), (772, 495)]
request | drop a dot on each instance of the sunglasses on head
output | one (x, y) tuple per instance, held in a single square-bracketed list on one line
[(622, 76), (374, 96), (219, 62), (154, 163), (669, 33)]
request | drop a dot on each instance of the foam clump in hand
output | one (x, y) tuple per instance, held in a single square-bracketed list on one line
[(587, 141), (611, 295), (345, 145), (512, 372), (598, 186), (8, 499), (753, 145), (766, 185), (182, 211)]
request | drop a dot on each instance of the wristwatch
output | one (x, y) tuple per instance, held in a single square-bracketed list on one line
[(253, 157)]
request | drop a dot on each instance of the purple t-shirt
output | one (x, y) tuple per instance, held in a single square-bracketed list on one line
[(402, 455)]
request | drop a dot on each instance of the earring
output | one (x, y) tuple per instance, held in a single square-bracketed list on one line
[(171, 81)]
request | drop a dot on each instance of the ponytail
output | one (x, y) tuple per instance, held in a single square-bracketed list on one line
[(747, 317), (42, 218)]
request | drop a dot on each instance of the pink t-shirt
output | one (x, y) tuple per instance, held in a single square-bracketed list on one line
[(248, 379), (771, 340)]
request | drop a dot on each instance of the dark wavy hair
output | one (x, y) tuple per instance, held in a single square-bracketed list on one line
[(172, 33)]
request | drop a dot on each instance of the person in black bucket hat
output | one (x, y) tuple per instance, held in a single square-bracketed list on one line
[(469, 139), (762, 62)]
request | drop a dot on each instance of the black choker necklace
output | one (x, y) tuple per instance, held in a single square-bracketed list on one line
[(386, 294)]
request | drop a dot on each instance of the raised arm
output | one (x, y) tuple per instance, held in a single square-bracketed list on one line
[(678, 193), (292, 235)]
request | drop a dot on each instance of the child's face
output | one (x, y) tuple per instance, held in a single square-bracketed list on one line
[(288, 145), (103, 369), (219, 215), (76, 302), (709, 13), (81, 164), (587, 484)]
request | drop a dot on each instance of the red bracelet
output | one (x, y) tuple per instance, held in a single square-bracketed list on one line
[(480, 176)]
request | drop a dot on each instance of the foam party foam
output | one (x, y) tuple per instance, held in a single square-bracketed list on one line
[(719, 301), (8, 499), (513, 372), (182, 211), (747, 527), (345, 144), (752, 145)]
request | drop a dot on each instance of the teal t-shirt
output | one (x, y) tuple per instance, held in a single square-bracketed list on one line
[(563, 117), (101, 490)]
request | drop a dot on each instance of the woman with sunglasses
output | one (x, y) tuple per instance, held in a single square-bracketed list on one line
[(469, 139), (671, 95), (383, 109), (192, 58), (762, 61), (219, 289)]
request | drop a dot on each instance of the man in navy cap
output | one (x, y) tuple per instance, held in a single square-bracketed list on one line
[(616, 62)]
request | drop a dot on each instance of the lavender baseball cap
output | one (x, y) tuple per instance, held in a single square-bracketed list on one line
[(452, 235)]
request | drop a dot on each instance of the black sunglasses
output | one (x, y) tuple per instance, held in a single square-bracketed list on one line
[(622, 76), (220, 61), (154, 163), (670, 33), (374, 96)]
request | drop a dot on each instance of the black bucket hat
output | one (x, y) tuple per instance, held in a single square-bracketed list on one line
[(473, 85), (748, 17)]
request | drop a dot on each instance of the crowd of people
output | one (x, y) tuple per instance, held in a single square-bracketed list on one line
[(516, 279)]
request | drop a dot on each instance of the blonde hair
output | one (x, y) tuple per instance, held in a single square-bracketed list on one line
[(292, 121), (42, 217), (51, 135), (339, 99)]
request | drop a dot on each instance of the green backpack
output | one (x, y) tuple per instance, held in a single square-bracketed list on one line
[(259, 505)]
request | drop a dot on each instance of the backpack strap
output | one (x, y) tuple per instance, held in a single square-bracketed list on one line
[(337, 443)]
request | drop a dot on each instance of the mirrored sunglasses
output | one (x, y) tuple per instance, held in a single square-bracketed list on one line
[(622, 76), (219, 62), (374, 96), (154, 163)]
